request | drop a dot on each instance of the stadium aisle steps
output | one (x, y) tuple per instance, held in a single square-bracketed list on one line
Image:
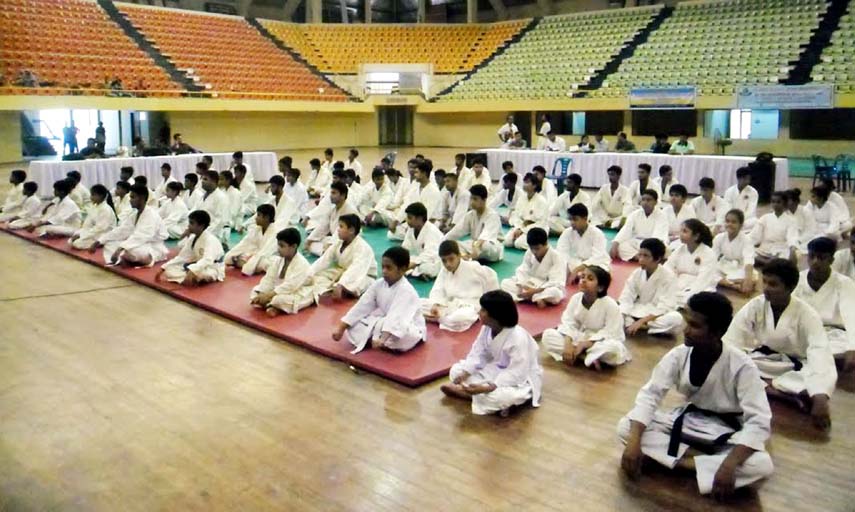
[(819, 41)]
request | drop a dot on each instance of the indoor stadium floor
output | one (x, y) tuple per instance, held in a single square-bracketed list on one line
[(116, 397)]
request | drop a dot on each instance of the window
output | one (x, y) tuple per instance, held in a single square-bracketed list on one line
[(742, 124)]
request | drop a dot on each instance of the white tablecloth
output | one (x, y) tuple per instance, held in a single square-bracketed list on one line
[(592, 167), (106, 170)]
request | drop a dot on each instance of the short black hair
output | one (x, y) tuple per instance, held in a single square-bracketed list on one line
[(450, 175), (678, 190), (290, 236), (575, 178), (736, 212), (511, 178), (200, 217), (479, 191), (392, 172), (339, 173), (277, 180), (377, 172), (448, 247), (128, 169), (604, 279), (531, 178), (664, 169), (240, 168), (536, 236), (208, 159), (354, 151), (328, 151), (314, 162), (645, 167), (202, 166), (398, 255), (615, 169), (228, 176), (439, 172), (578, 210), (821, 192), (19, 175), (417, 210), (31, 187), (192, 176), (123, 184), (352, 221), (539, 168), (175, 185), (650, 192), (794, 194), (655, 246), (294, 172), (743, 172), (268, 210), (340, 187), (506, 164), (166, 166), (140, 190), (338, 164), (212, 175), (286, 160), (423, 167), (74, 176), (237, 154), (707, 182), (786, 270), (479, 161), (141, 180), (715, 308), (822, 245), (500, 306)]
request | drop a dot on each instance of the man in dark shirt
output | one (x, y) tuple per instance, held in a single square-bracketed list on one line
[(622, 144), (91, 150), (179, 147), (661, 145)]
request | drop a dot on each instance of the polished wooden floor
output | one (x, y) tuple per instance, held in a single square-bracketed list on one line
[(116, 397)]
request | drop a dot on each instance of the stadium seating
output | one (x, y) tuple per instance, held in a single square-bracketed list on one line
[(73, 44), (720, 45), (229, 56), (838, 60), (341, 49), (559, 52)]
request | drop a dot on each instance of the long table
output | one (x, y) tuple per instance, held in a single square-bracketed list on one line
[(106, 170), (688, 169)]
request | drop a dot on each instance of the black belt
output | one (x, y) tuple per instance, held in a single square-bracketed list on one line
[(731, 419), (766, 351)]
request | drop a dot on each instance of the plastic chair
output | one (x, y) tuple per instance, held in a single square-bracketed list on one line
[(822, 168), (844, 172), (560, 170)]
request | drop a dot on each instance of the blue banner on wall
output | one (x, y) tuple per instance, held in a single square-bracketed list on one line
[(641, 98), (785, 97)]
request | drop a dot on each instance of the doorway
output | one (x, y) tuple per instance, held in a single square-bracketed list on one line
[(395, 125)]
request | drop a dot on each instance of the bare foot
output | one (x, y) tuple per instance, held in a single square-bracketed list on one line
[(540, 304), (272, 312), (596, 365), (455, 391)]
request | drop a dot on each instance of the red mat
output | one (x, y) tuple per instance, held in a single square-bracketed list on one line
[(311, 328)]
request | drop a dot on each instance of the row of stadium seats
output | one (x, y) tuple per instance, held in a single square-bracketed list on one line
[(341, 49), (559, 52), (838, 60)]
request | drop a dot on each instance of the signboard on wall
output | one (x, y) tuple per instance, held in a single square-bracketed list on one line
[(785, 97), (646, 98)]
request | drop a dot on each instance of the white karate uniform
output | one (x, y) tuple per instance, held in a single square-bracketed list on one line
[(601, 324), (319, 181), (202, 255), (218, 206), (635, 191), (139, 235), (842, 209), (424, 250), (501, 198), (675, 220), (81, 196), (297, 206), (732, 387), (587, 249), (732, 256), (655, 295), (663, 191), (174, 214), (259, 247), (160, 190), (550, 273), (509, 360), (744, 200), (399, 193), (798, 336), (545, 128), (486, 228), (507, 130), (355, 165), (484, 179), (835, 304), (464, 177), (14, 201), (805, 226), (549, 191), (454, 206), (99, 220), (375, 201), (353, 267), (293, 290), (429, 196), (696, 271), (235, 217), (29, 213), (639, 227), (356, 192), (192, 198), (608, 207), (529, 212), (559, 219), (63, 218), (828, 219), (774, 236), (248, 197), (559, 144), (712, 214), (457, 294), (326, 232), (386, 311), (844, 263)]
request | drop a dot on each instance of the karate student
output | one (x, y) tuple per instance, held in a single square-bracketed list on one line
[(217, 204), (648, 300), (583, 245), (507, 130), (100, 219), (227, 185), (844, 259), (61, 217), (678, 211), (502, 369), (464, 174), (352, 162), (611, 201), (324, 235), (552, 143), (439, 179), (531, 211), (591, 330), (507, 197), (542, 275), (200, 259), (387, 316), (398, 186), (255, 251), (237, 159), (663, 184), (734, 253), (248, 194), (355, 190), (375, 199), (545, 185), (138, 239), (724, 400), (483, 227), (639, 185), (743, 196), (646, 222), (79, 193), (298, 200), (455, 204), (480, 175), (832, 295), (826, 214), (775, 234), (840, 203), (559, 220), (126, 174), (173, 211), (319, 180), (422, 240), (805, 223), (30, 210), (693, 262), (785, 338), (191, 195), (166, 174), (287, 284), (348, 267), (453, 300), (424, 191), (15, 196), (709, 207)]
